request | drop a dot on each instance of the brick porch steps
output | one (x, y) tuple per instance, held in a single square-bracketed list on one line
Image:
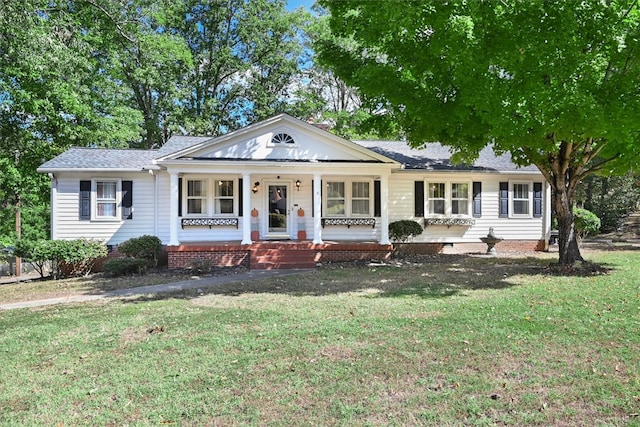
[(277, 258), (271, 255)]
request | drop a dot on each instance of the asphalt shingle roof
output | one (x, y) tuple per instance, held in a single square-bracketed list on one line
[(100, 158), (433, 156), (180, 142), (436, 157)]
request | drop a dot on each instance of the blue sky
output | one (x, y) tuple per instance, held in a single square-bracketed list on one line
[(294, 4)]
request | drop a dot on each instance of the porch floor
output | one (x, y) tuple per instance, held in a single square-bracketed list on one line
[(273, 254)]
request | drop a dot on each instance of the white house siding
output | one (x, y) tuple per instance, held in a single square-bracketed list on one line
[(402, 206), (65, 216)]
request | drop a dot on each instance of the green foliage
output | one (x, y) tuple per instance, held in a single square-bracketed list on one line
[(62, 257), (586, 222), (472, 73), (404, 230), (116, 267), (147, 248), (611, 198)]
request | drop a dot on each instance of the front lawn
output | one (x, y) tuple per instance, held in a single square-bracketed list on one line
[(452, 340)]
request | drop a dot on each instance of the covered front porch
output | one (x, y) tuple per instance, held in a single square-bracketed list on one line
[(271, 255)]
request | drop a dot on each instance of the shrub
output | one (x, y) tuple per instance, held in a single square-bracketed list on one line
[(146, 247), (124, 266), (73, 257), (586, 222), (404, 230)]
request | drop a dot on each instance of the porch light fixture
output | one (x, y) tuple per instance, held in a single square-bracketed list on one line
[(256, 187), (298, 184)]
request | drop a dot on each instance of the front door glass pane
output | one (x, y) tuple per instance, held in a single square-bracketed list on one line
[(278, 209)]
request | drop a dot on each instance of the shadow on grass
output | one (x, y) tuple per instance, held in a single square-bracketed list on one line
[(439, 276)]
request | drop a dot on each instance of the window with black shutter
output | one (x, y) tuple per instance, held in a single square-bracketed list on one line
[(477, 199), (127, 199), (419, 199), (85, 200), (504, 200)]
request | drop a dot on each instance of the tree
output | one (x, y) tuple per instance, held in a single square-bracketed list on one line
[(135, 43), (554, 83), (48, 101), (611, 198), (245, 55)]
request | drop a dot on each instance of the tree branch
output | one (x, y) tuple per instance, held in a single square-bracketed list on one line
[(112, 19)]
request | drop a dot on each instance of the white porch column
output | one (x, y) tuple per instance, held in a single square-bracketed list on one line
[(384, 207), (246, 206), (173, 209), (317, 209)]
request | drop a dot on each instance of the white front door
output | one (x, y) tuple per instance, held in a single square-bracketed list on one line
[(278, 221)]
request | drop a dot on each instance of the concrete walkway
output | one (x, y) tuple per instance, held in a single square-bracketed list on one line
[(156, 289)]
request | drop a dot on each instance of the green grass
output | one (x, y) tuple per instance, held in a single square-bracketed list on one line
[(448, 341)]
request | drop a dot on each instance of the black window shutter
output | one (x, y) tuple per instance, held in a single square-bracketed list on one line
[(477, 199), (377, 202), (127, 199), (537, 199), (504, 200), (240, 201), (85, 200), (419, 199), (179, 196)]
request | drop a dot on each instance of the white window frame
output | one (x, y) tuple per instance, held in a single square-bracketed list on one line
[(209, 198), (512, 199), (448, 199), (217, 197), (203, 198), (95, 201), (348, 197), (283, 145)]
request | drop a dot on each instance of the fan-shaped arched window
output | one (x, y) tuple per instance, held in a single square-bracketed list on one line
[(282, 138)]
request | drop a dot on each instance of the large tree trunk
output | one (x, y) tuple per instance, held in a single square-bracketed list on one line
[(563, 174), (562, 205)]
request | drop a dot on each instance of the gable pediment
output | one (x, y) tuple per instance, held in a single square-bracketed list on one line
[(281, 138)]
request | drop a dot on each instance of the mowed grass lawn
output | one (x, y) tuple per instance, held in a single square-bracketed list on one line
[(450, 340)]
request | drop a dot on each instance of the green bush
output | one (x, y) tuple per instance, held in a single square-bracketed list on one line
[(148, 248), (64, 257), (586, 222), (124, 266), (404, 230)]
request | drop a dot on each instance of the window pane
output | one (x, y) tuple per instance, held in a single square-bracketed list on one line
[(360, 207), (459, 198), (436, 191), (106, 190), (335, 207), (459, 207), (360, 190), (460, 191), (194, 206), (520, 207), (436, 207), (521, 191), (106, 209), (195, 189), (224, 188), (335, 189), (224, 206)]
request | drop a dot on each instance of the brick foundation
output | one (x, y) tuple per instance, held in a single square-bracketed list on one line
[(185, 256), (336, 252), (466, 248), (236, 254)]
